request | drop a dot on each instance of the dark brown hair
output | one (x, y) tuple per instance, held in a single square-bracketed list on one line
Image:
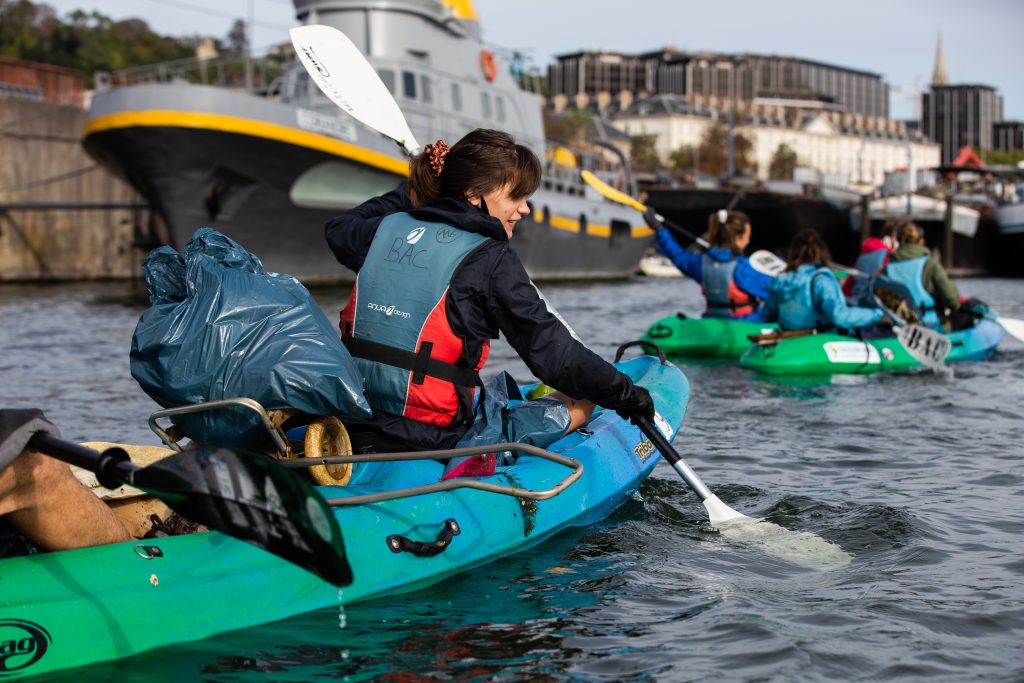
[(724, 233), (807, 247), (910, 233), (482, 161)]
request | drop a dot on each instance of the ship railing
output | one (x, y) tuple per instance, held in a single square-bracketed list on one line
[(226, 72)]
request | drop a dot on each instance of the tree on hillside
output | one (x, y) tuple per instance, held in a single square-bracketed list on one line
[(236, 38), (783, 163), (643, 152), (88, 41)]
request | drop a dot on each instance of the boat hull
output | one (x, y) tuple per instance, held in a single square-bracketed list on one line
[(832, 354), (269, 175), (684, 337), (72, 608)]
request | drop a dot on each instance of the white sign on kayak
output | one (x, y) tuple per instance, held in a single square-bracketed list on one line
[(852, 352)]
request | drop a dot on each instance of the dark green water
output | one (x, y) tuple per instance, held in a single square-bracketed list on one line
[(920, 478)]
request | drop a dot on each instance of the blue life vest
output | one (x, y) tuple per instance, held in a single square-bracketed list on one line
[(870, 264), (395, 323), (909, 273), (796, 300), (724, 298)]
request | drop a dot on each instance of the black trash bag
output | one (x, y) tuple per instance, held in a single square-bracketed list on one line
[(220, 326)]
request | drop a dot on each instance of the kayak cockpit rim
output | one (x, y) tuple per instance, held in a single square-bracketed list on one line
[(447, 485)]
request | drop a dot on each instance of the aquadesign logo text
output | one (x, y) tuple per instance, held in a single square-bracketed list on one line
[(387, 310), (22, 644)]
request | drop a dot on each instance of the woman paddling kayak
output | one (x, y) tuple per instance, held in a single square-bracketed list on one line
[(731, 286), (437, 280), (807, 295)]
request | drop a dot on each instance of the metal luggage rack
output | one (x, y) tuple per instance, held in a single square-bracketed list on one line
[(286, 457)]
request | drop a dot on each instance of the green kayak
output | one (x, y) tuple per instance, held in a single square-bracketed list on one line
[(826, 353), (681, 336), (69, 609)]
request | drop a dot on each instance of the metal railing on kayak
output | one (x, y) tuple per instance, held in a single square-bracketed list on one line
[(171, 436)]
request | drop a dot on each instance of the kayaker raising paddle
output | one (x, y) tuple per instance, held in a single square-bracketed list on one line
[(437, 280), (42, 498), (732, 287)]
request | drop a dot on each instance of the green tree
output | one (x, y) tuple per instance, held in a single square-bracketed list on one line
[(236, 38), (783, 163), (713, 152), (683, 160), (999, 157), (643, 153)]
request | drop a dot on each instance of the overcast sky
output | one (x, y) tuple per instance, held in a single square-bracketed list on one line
[(894, 38)]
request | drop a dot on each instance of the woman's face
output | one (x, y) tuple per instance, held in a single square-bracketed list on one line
[(743, 241), (504, 207)]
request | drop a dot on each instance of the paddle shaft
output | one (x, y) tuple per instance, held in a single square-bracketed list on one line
[(691, 478), (112, 466)]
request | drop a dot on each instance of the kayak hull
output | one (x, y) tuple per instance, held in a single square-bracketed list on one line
[(681, 336), (825, 353), (72, 608)]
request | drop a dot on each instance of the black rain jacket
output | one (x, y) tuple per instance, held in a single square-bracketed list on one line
[(490, 293)]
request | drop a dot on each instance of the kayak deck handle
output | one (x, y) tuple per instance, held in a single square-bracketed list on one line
[(644, 344), (401, 544)]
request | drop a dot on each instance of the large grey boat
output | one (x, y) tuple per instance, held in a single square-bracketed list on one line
[(269, 170)]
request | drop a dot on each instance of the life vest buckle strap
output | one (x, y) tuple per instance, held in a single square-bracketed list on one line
[(420, 363)]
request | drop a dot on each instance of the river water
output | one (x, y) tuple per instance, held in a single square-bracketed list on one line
[(920, 478)]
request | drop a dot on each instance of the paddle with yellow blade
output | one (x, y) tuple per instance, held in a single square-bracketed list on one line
[(762, 260)]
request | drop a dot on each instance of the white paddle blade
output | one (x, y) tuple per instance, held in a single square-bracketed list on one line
[(342, 73), (927, 346), (719, 513), (799, 547), (766, 262), (1013, 327)]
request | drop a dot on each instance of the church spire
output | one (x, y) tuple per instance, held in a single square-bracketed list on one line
[(940, 77)]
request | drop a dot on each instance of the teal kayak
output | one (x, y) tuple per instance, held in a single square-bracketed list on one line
[(71, 608), (826, 353), (681, 336)]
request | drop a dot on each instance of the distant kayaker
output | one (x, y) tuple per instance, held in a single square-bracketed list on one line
[(912, 265), (732, 287), (437, 280), (42, 498), (874, 256), (808, 296)]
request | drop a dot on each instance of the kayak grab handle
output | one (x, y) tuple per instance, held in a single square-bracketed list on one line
[(644, 344), (401, 544), (449, 484)]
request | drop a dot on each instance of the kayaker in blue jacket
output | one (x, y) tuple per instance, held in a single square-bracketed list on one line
[(732, 288), (807, 295), (437, 280), (40, 496)]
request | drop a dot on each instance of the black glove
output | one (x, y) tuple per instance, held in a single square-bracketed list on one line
[(638, 403), (651, 216)]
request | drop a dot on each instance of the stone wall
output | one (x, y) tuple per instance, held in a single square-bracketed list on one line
[(42, 163)]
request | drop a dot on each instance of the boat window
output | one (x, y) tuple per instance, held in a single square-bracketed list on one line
[(388, 76), (456, 97), (409, 84), (499, 105), (486, 101), (425, 87)]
